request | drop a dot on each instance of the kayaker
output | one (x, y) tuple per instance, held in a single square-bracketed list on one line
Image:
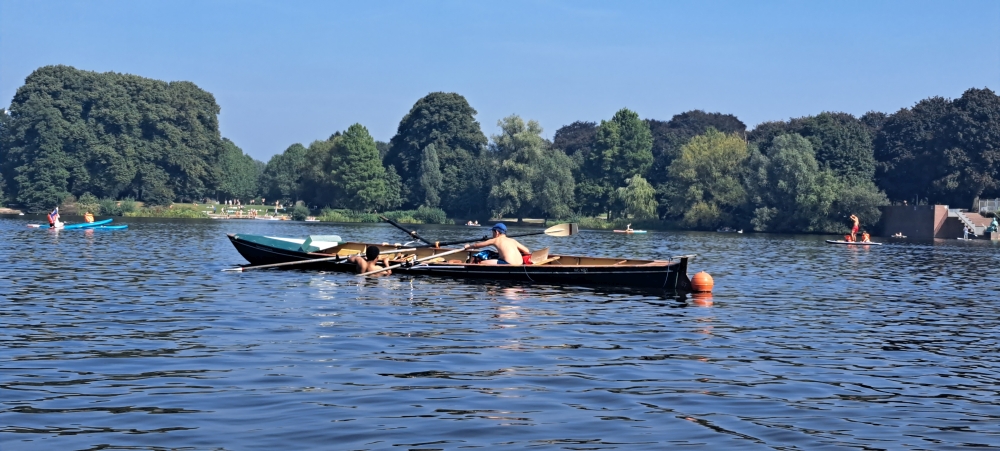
[(511, 252), (854, 228), (628, 227), (370, 262), (88, 217)]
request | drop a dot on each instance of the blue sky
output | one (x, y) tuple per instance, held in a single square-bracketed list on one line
[(297, 71)]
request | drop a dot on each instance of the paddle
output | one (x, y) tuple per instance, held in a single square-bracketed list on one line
[(453, 251), (312, 260), (412, 233), (556, 230)]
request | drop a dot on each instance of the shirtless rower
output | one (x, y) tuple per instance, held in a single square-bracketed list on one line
[(511, 252), (370, 262)]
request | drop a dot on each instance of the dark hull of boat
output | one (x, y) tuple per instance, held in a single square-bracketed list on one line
[(672, 276)]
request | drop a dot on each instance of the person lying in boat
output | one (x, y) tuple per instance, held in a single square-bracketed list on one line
[(511, 252), (370, 262)]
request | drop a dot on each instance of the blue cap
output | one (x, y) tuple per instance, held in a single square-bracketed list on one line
[(499, 227)]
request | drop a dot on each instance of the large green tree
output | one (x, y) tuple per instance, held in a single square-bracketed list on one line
[(358, 176), (622, 149), (532, 177), (282, 176), (112, 135), (240, 173), (447, 121), (638, 198), (705, 189), (841, 142)]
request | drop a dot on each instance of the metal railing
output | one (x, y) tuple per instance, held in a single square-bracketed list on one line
[(988, 206)]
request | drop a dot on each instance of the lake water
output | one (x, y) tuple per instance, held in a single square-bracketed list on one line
[(136, 340)]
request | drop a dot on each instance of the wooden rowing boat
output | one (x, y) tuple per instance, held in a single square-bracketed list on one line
[(546, 269)]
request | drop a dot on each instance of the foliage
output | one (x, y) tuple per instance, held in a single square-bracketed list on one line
[(88, 202), (532, 177), (790, 192), (422, 215), (240, 174), (109, 134), (430, 177), (357, 175), (622, 148), (670, 136), (705, 189), (943, 151), (300, 212), (638, 198), (428, 215), (840, 142), (282, 176), (111, 207), (447, 121), (167, 212)]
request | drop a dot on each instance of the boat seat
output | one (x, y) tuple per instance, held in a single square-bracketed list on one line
[(547, 260), (539, 255)]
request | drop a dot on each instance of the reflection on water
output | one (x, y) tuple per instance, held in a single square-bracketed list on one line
[(135, 340)]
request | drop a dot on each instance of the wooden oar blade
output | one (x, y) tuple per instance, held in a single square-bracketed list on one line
[(563, 229)]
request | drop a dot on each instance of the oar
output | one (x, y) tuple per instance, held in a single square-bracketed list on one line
[(453, 251), (312, 260), (556, 230), (412, 233)]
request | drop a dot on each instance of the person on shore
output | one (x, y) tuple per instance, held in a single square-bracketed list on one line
[(511, 252), (370, 262), (88, 217), (854, 228), (54, 221)]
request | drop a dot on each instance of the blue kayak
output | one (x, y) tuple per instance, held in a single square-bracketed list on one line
[(109, 227), (79, 225)]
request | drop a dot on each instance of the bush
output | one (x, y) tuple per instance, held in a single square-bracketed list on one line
[(428, 215), (111, 207), (88, 202), (165, 212), (300, 212)]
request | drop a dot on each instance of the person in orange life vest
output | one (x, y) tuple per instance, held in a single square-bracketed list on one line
[(848, 238), (54, 221), (511, 252), (88, 216)]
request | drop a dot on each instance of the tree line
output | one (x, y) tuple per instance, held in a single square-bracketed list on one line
[(114, 135)]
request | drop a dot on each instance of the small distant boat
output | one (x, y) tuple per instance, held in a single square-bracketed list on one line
[(79, 225), (855, 243), (897, 235), (311, 219), (472, 224), (729, 230), (629, 231)]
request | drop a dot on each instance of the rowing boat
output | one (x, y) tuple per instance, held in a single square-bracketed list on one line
[(79, 225), (545, 269)]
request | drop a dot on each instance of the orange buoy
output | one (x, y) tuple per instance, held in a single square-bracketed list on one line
[(702, 282)]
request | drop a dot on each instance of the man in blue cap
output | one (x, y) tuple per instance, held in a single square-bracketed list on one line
[(511, 252)]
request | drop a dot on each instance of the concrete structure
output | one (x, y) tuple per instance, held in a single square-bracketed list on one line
[(926, 222)]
